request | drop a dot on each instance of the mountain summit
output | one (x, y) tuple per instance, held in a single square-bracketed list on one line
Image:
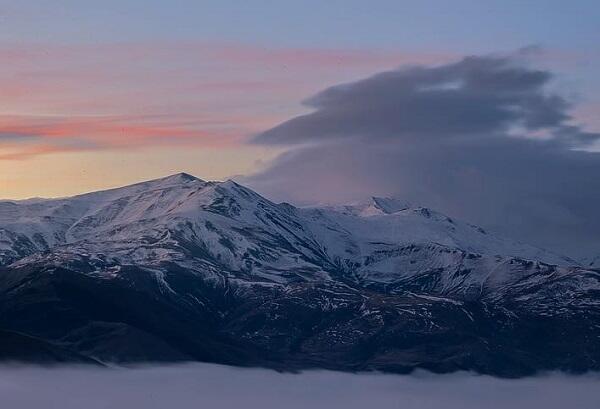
[(179, 268)]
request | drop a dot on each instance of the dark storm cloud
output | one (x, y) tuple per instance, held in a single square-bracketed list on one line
[(478, 96), (480, 139)]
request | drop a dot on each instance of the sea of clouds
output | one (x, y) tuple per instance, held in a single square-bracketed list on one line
[(212, 386)]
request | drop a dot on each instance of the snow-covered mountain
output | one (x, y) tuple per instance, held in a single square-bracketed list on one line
[(152, 221), (273, 284), (593, 262)]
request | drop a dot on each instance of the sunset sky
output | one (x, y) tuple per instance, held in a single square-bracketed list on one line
[(100, 94)]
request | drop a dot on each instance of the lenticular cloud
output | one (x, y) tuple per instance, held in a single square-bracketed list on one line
[(481, 139)]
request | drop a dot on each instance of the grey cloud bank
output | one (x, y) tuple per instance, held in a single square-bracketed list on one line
[(211, 386), (481, 139)]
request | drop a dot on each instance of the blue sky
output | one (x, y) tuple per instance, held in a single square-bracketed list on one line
[(464, 25), (83, 80)]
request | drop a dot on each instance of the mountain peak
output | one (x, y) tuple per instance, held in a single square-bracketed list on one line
[(177, 179), (376, 205), (180, 177), (389, 205)]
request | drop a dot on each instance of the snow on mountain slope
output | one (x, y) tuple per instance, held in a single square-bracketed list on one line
[(370, 229), (35, 225), (175, 218), (180, 268), (226, 227), (593, 262)]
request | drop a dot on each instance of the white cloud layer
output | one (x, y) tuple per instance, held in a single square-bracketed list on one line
[(215, 387)]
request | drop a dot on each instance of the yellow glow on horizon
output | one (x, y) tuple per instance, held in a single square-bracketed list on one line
[(67, 174)]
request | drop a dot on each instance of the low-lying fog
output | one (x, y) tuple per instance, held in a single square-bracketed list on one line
[(212, 386)]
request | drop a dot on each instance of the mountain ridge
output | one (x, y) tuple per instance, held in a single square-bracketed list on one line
[(277, 285), (386, 206)]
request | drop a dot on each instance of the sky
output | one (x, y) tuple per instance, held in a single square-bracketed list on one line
[(101, 94)]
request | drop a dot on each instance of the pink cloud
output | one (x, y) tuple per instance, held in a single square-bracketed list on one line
[(124, 96), (588, 113)]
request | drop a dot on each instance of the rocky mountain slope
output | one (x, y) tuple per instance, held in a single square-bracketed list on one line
[(592, 262), (182, 269)]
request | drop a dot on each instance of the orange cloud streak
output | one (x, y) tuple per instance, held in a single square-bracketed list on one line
[(126, 96)]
